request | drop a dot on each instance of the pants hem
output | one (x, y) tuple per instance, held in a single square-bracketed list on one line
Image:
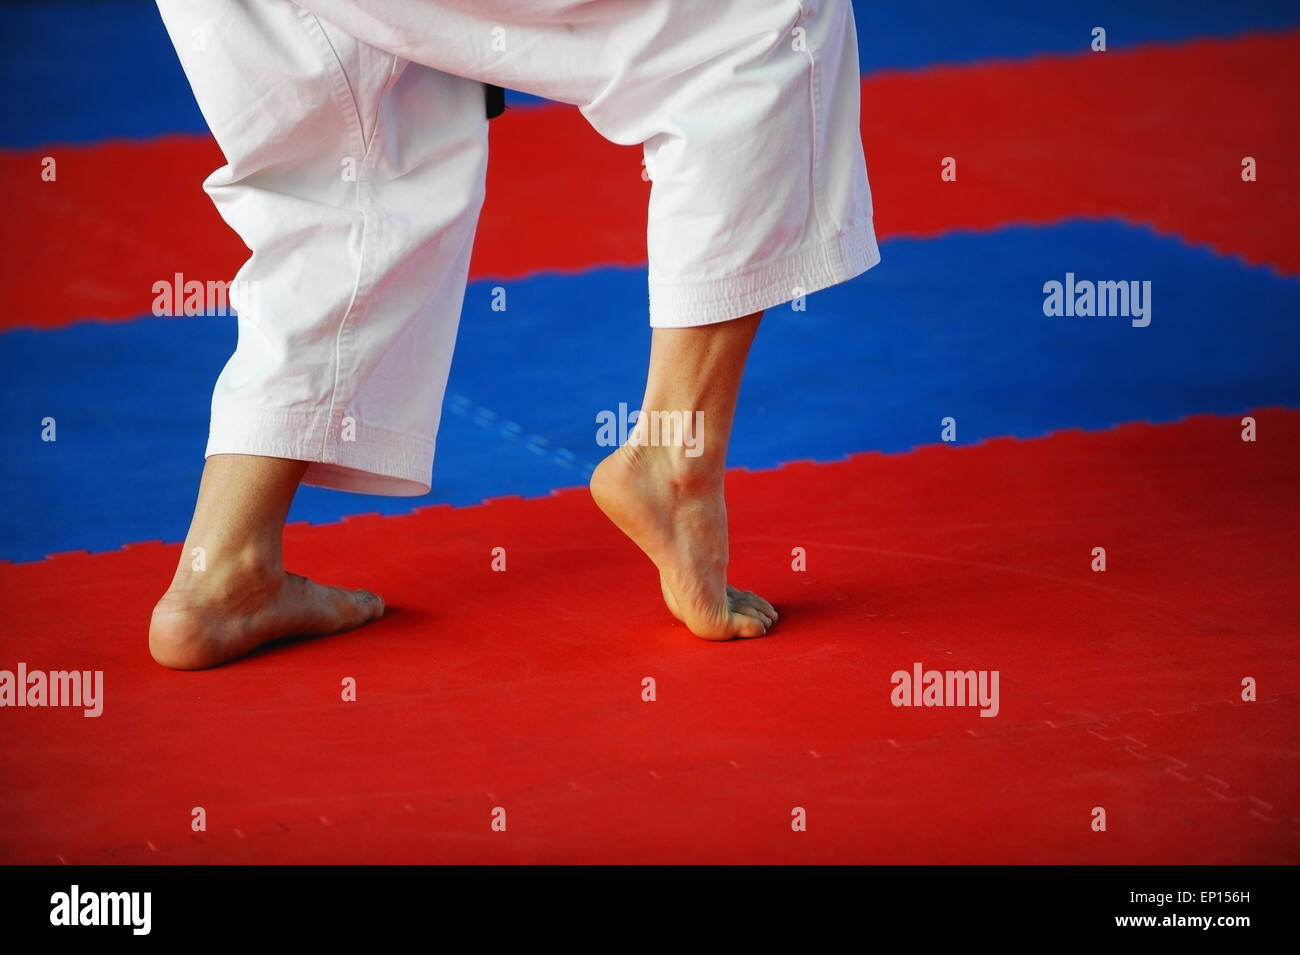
[(811, 269), (378, 462)]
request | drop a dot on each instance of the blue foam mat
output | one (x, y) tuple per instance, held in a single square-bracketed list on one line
[(952, 326)]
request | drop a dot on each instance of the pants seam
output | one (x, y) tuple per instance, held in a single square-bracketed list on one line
[(346, 96), (820, 205)]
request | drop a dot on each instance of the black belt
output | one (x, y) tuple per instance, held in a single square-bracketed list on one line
[(496, 101)]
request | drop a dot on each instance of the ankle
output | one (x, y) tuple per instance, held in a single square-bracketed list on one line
[(692, 477), (670, 467), (253, 566)]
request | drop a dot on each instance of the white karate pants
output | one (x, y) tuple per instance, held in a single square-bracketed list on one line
[(355, 141)]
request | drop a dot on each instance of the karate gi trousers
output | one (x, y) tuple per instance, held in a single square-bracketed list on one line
[(355, 140)]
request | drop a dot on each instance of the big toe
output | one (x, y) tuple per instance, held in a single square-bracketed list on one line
[(372, 604), (749, 622), (352, 608)]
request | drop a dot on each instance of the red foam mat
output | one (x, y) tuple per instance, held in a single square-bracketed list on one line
[(1036, 142), (523, 689)]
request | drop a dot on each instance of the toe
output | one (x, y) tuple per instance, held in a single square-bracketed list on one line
[(747, 598), (372, 604), (338, 609), (362, 607), (747, 626)]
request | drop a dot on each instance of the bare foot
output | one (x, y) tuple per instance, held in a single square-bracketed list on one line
[(208, 618), (680, 521)]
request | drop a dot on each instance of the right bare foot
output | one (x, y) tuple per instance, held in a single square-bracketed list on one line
[(210, 617), (680, 521)]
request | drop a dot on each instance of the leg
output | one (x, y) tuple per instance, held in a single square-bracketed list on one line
[(764, 197), (748, 113), (231, 593), (669, 499), (356, 179)]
